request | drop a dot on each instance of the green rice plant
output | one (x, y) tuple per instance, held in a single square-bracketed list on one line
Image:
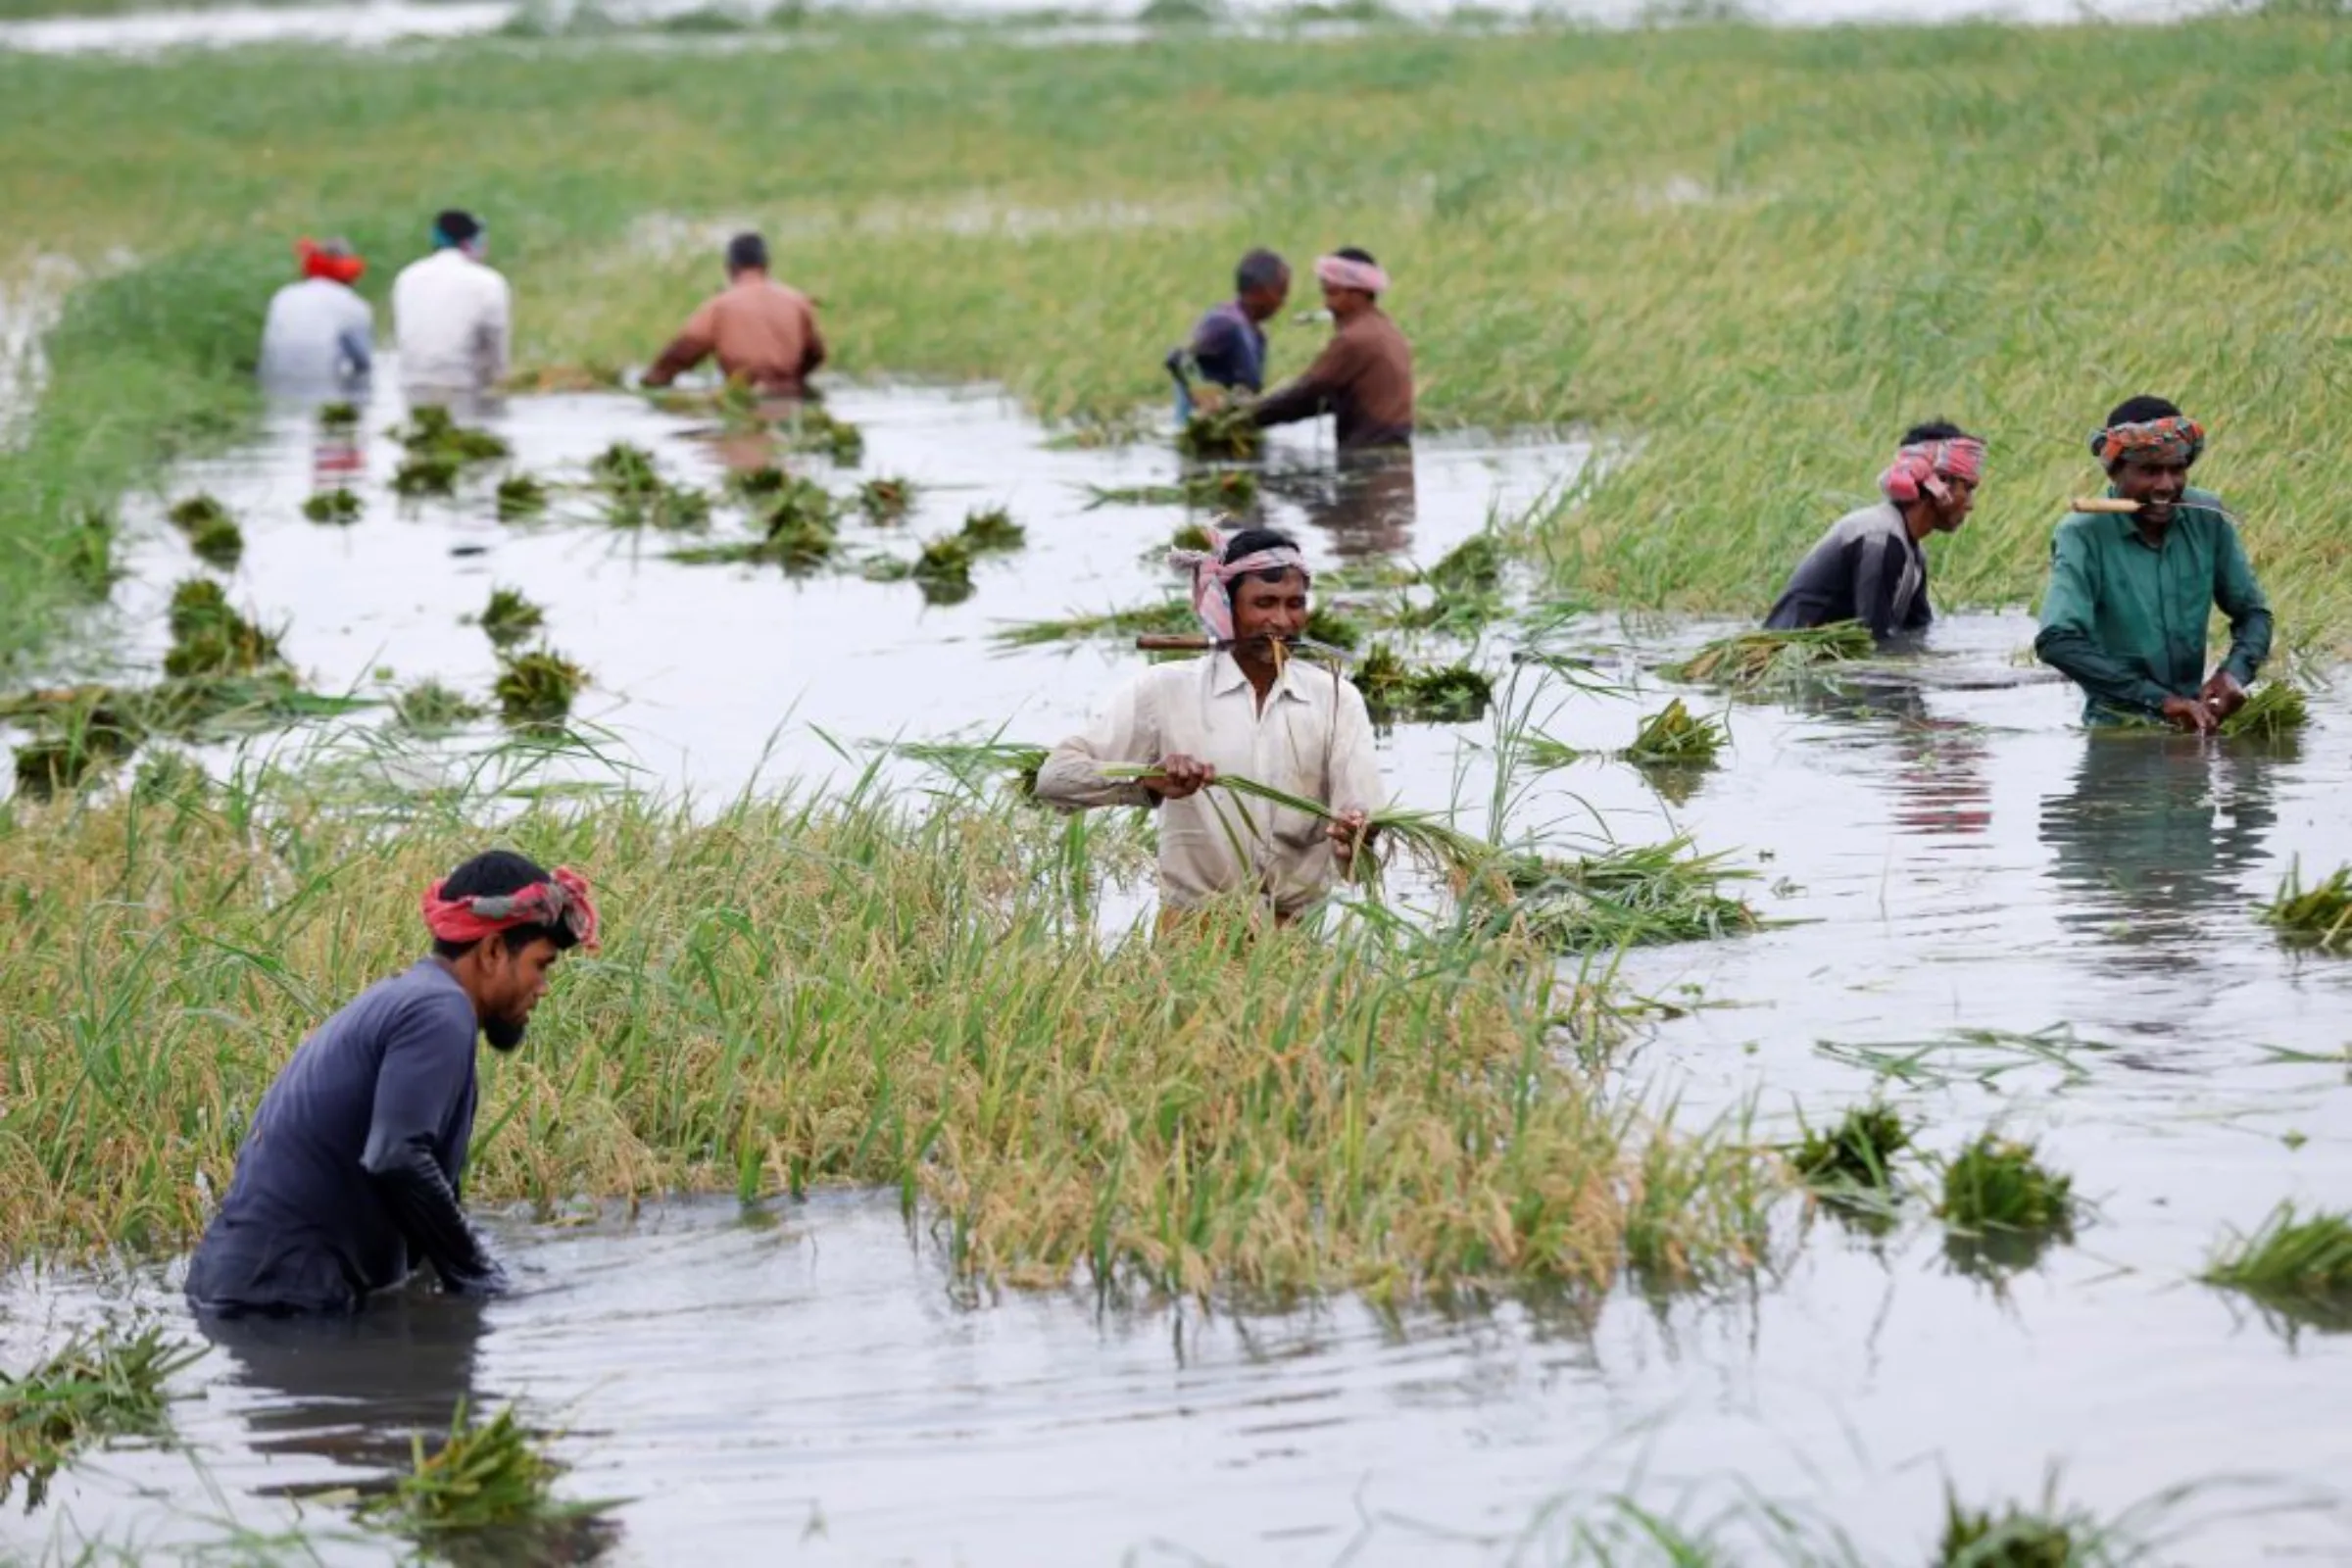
[(2001, 1203), (1543, 752), (2271, 712), (520, 496), (2016, 1537), (1756, 660), (198, 511), (1227, 435), (1627, 896), (815, 431), (943, 569), (101, 1384), (509, 617), (1172, 617), (1397, 693), (210, 638), (2318, 916), (1425, 838), (1193, 536), (338, 415), (197, 602), (757, 483), (1215, 489), (1332, 629), (972, 764), (333, 506), (430, 474), (535, 689), (1674, 737), (433, 433), (430, 708), (61, 763), (165, 776), (89, 554), (991, 530), (885, 500), (626, 472), (212, 532), (800, 533), (670, 508), (1472, 568), (1856, 1153), (2296, 1266), (485, 1476)]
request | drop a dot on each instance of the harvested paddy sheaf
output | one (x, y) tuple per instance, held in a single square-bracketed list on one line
[(2001, 1206), (509, 617), (535, 687), (943, 569), (2014, 1538), (488, 1485), (520, 496), (333, 506), (1626, 896), (432, 432), (2315, 916), (1761, 661), (1367, 1108), (430, 474), (213, 534), (813, 429), (1676, 737), (430, 708), (636, 496), (1856, 1153), (2295, 1266), (1226, 436), (102, 1384), (1218, 489), (885, 500), (991, 530), (1434, 694), (2271, 711)]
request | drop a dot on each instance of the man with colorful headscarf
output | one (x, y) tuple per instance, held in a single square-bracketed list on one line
[(1872, 566), (453, 314), (2133, 584), (350, 1172), (1250, 708), (1364, 376), (319, 335)]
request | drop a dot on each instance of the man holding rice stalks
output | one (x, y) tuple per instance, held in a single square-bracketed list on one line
[(1249, 715), (350, 1172), (1228, 345), (1365, 375), (1872, 566), (2135, 575)]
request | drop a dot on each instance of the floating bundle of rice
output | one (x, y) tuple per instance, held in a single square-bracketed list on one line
[(1752, 661)]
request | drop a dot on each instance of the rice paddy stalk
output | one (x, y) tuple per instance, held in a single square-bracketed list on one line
[(213, 534), (1674, 737), (425, 474), (1170, 617), (535, 689), (1997, 1187), (970, 763), (626, 472), (509, 617), (430, 708), (210, 638), (520, 496), (1756, 660), (88, 558), (1225, 436), (1856, 1153), (2271, 711), (101, 1384), (885, 500), (2318, 916), (943, 569), (2298, 1266), (333, 506), (991, 530), (483, 1475), (432, 434), (1395, 692), (1626, 896)]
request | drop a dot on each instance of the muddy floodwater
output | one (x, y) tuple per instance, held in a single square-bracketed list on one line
[(1989, 918)]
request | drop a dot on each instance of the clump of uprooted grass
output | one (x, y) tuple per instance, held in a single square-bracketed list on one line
[(1217, 489), (2047, 1534), (74, 742), (338, 415), (2002, 1206), (333, 506), (991, 530), (485, 1479), (1854, 1155), (1226, 435), (430, 708), (509, 617), (2315, 916), (1395, 692), (1756, 660), (535, 687), (102, 1384), (433, 433), (208, 637), (2296, 1266), (425, 473), (1365, 1107), (799, 531), (885, 500), (2271, 712), (636, 494), (520, 496), (213, 534), (943, 569), (1676, 737), (1170, 617), (1626, 896), (812, 429)]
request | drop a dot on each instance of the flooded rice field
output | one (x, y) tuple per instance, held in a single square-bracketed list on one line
[(1989, 918)]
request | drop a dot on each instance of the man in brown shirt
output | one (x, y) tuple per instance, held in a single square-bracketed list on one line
[(763, 334), (1365, 375)]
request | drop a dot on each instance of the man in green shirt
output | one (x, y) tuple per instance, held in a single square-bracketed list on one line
[(2130, 592)]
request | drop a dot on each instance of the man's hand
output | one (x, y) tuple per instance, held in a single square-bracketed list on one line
[(2189, 715), (2222, 695), (1351, 831), (1209, 399), (1179, 776)]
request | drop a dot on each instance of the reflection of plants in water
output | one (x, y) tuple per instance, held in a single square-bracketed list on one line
[(535, 689), (102, 1383), (333, 506), (2318, 916), (2298, 1267)]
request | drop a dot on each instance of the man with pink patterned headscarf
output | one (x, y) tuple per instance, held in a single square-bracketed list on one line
[(1871, 567), (1364, 376)]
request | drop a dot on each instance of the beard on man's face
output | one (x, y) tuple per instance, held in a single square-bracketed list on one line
[(504, 1034)]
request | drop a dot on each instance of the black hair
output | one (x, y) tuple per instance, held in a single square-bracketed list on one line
[(745, 252), (489, 874), (1249, 541), (2141, 409), (1934, 430), (457, 226), (1261, 269), (1356, 252)]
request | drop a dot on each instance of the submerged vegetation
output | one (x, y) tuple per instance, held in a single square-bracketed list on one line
[(1757, 661), (2318, 916), (1397, 692), (2298, 1266), (101, 1384), (510, 617), (333, 506)]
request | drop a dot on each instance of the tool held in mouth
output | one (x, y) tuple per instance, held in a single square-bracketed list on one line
[(1168, 643), (2107, 504)]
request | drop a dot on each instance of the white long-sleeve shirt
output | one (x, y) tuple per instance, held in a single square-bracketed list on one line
[(1312, 739), (452, 317), (320, 336)]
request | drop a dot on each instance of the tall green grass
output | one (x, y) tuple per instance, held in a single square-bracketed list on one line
[(874, 990), (1710, 241)]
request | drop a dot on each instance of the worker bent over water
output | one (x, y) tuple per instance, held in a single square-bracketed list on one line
[(2129, 594), (353, 1167), (763, 332), (1872, 566), (1249, 708), (1365, 375), (1228, 345)]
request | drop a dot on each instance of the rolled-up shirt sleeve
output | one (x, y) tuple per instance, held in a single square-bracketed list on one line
[(1126, 733)]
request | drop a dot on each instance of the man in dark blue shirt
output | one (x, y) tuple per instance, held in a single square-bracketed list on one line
[(1228, 345), (352, 1166)]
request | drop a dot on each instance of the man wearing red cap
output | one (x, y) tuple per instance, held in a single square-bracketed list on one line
[(320, 335), (351, 1171)]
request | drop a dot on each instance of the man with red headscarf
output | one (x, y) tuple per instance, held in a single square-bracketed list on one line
[(320, 335), (1870, 566), (351, 1171)]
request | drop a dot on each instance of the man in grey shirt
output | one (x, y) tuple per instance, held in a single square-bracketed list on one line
[(1870, 566), (352, 1166)]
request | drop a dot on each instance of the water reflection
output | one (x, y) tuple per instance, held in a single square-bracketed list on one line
[(1942, 781), (2154, 838), (1366, 505)]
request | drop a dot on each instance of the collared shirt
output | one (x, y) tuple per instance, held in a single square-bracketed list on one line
[(453, 319), (2126, 620), (763, 334), (1867, 568), (320, 336), (1312, 739), (1363, 377), (1229, 348)]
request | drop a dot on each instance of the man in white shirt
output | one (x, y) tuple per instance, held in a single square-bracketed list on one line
[(451, 313), (320, 336), (1245, 709)]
